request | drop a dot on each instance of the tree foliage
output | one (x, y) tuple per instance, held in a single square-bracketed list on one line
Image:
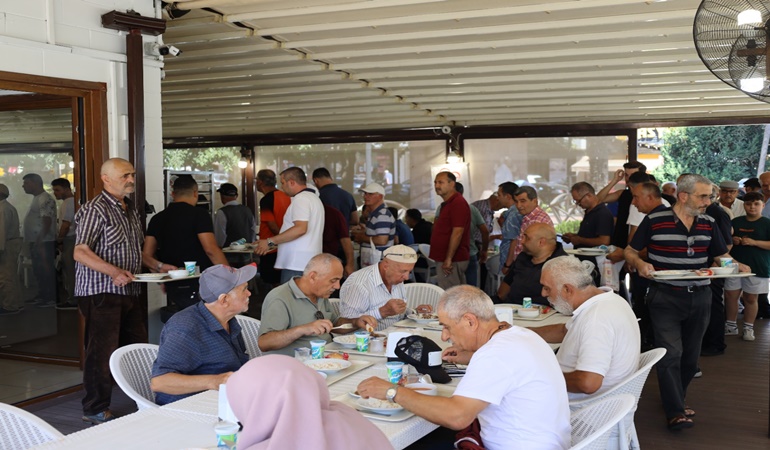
[(718, 153), (217, 159)]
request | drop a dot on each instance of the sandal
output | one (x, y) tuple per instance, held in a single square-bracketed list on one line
[(680, 422), (689, 412)]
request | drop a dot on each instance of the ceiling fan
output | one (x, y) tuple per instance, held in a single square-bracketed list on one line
[(731, 37)]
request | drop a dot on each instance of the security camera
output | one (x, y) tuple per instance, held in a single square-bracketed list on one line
[(166, 50), (446, 129)]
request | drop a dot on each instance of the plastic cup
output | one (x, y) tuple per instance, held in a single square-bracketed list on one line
[(227, 435), (395, 371), (362, 341), (376, 345), (302, 354), (189, 266), (317, 349)]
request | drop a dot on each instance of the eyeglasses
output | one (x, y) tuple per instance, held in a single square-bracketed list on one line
[(710, 197), (577, 202), (319, 315), (690, 242)]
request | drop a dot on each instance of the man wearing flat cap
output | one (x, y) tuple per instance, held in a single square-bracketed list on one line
[(201, 346), (233, 221), (728, 197), (378, 290), (380, 226)]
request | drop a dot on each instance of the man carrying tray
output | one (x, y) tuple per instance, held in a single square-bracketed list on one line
[(679, 238)]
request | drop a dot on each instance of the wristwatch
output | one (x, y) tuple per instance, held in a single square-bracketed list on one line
[(270, 243), (391, 394)]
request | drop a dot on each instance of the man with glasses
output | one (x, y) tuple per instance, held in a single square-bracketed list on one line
[(378, 290), (679, 238), (728, 197), (299, 311), (380, 228), (598, 223)]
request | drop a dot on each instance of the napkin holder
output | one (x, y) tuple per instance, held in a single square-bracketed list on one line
[(225, 413)]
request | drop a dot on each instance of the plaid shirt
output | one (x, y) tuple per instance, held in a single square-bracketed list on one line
[(115, 236), (536, 216)]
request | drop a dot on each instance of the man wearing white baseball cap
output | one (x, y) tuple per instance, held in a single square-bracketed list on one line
[(378, 290), (380, 227), (201, 346)]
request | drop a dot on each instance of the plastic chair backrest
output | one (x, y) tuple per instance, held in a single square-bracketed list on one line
[(20, 429), (422, 294), (131, 367), (592, 425), (250, 333)]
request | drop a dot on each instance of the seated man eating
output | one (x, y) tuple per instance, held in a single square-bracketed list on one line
[(299, 311), (201, 346), (601, 342), (512, 384)]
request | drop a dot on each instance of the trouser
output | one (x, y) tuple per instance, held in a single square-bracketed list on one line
[(112, 321), (472, 272), (714, 338), (267, 270), (287, 274), (455, 278), (679, 320), (44, 268), (639, 287), (68, 266), (9, 275)]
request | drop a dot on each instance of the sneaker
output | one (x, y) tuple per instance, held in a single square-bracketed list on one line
[(698, 374), (96, 419), (731, 330), (748, 334), (8, 312)]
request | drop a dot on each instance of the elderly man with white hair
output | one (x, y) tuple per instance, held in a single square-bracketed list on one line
[(513, 384), (600, 342)]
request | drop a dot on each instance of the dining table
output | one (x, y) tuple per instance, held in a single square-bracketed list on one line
[(189, 423)]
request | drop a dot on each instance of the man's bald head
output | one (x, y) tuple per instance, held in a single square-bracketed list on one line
[(118, 177), (542, 231)]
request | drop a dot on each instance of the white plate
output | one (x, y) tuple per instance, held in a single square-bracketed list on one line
[(150, 276), (347, 341), (420, 318), (378, 406), (591, 251), (323, 375), (354, 394), (672, 273), (327, 365)]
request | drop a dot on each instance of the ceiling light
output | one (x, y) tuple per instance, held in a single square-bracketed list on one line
[(243, 163), (754, 84), (750, 17), (452, 157)]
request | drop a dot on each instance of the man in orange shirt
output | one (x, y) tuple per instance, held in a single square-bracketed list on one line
[(272, 208)]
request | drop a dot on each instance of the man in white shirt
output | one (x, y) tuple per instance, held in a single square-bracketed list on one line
[(301, 235), (11, 302), (40, 238), (378, 290), (65, 237), (600, 343), (513, 384), (728, 197)]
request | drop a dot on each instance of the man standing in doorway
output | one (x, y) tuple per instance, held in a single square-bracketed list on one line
[(450, 240), (62, 190), (40, 238), (108, 251), (10, 247), (232, 221)]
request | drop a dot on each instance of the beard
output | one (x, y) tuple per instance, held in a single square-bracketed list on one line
[(561, 305)]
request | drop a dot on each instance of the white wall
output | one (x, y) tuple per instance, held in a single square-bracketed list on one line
[(65, 39)]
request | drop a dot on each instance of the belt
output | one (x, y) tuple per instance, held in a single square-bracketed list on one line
[(669, 287)]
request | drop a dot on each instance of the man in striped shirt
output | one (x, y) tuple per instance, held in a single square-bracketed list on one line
[(679, 238), (108, 252), (380, 226)]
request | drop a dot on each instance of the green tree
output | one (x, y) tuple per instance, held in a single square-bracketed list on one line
[(718, 153)]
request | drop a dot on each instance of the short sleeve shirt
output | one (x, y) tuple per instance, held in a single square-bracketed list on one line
[(381, 223), (455, 213), (294, 255), (598, 221), (364, 293), (338, 198), (476, 221), (754, 257), (42, 207), (67, 214), (537, 215), (287, 307), (176, 230), (193, 342)]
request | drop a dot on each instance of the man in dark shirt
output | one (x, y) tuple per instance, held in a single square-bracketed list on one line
[(272, 209), (336, 238), (335, 196), (624, 197), (539, 245), (421, 228), (403, 233), (180, 233), (597, 225), (233, 221)]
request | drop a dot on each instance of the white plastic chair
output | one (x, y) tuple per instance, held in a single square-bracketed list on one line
[(494, 277), (592, 425), (422, 294), (632, 385), (429, 272), (20, 430), (335, 302), (250, 333), (131, 367)]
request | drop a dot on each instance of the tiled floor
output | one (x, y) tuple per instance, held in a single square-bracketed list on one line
[(20, 380)]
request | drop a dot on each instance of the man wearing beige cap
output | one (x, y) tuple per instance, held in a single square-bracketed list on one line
[(728, 197), (380, 228), (10, 246), (378, 290)]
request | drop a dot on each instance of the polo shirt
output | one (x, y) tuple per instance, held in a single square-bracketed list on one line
[(455, 214), (667, 241), (193, 342), (287, 307), (176, 229), (338, 198), (381, 223), (294, 255), (524, 279), (598, 221), (754, 257), (364, 293)]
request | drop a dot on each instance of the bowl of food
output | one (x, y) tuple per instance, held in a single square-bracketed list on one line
[(181, 273), (237, 246), (348, 340), (423, 318), (529, 313), (722, 270), (423, 388), (328, 366), (377, 406)]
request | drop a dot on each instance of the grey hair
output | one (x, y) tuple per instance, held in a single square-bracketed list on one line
[(529, 190), (582, 187), (464, 299), (569, 270), (320, 264), (687, 183)]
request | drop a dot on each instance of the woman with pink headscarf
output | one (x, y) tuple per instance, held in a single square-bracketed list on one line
[(282, 404)]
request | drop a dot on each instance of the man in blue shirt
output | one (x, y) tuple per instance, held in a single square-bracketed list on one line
[(201, 346)]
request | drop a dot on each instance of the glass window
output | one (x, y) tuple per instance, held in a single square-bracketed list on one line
[(221, 161)]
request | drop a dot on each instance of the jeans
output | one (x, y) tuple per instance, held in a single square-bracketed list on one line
[(472, 272), (112, 321), (287, 275), (679, 320)]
